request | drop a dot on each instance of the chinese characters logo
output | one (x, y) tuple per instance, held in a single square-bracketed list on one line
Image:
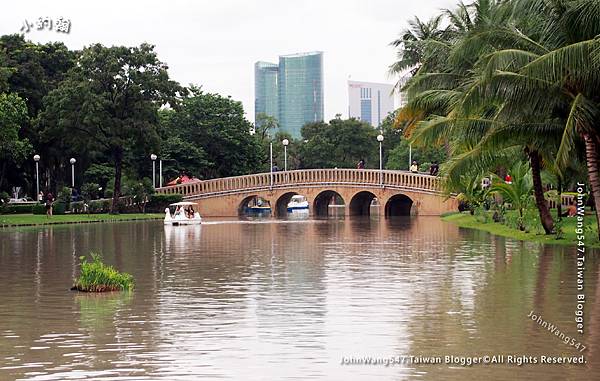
[(60, 24)]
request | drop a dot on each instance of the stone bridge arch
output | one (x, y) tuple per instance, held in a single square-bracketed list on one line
[(360, 203), (399, 205), (279, 209), (320, 205)]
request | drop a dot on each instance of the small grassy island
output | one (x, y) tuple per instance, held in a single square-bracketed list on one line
[(99, 277)]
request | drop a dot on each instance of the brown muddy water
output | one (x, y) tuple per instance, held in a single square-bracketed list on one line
[(284, 300)]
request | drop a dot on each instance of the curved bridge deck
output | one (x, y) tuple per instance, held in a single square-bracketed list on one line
[(223, 197)]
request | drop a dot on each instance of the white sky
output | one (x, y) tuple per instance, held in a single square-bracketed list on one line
[(214, 43)]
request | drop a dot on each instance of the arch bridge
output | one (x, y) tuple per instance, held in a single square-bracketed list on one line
[(396, 192)]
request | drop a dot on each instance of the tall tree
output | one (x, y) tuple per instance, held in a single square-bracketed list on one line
[(110, 100), (339, 143), (217, 125), (32, 70), (13, 115)]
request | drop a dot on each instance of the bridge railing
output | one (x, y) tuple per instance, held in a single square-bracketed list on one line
[(397, 179)]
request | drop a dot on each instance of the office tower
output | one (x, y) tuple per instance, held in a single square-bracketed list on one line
[(370, 102), (265, 89), (291, 91), (300, 91)]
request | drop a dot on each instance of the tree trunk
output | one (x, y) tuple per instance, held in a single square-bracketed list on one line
[(559, 205), (538, 192), (2, 171), (114, 207), (591, 156)]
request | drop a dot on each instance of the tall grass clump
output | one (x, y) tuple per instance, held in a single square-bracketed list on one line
[(98, 277)]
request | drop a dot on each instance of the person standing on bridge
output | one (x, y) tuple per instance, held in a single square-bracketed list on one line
[(414, 168), (361, 164), (434, 169), (275, 167)]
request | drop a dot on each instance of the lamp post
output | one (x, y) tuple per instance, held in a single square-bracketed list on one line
[(409, 156), (285, 144), (380, 140), (153, 157), (36, 158), (72, 161), (271, 160), (160, 182)]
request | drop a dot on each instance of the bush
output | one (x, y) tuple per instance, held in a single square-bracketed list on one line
[(141, 192), (98, 277), (77, 207), (89, 191), (4, 197), (16, 209), (38, 209), (59, 208), (64, 195), (99, 206), (158, 202)]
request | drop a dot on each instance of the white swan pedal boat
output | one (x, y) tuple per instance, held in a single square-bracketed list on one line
[(183, 213)]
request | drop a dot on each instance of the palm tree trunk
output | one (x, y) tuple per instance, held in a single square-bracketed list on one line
[(591, 156), (538, 192), (559, 204)]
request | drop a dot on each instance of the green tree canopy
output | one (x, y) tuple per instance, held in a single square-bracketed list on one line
[(13, 149), (216, 126), (339, 143), (111, 99)]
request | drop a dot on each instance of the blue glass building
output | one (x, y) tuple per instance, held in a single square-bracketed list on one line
[(299, 84), (265, 89)]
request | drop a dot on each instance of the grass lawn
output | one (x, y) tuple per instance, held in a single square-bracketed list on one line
[(36, 219), (466, 220)]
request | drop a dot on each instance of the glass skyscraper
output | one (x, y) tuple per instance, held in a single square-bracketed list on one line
[(265, 89), (299, 83)]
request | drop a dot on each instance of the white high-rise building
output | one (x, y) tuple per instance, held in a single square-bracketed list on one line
[(370, 102)]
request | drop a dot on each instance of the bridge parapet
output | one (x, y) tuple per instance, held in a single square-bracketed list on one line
[(307, 177)]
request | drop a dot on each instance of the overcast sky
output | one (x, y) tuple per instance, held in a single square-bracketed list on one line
[(215, 43)]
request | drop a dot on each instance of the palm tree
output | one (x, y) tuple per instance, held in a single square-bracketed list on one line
[(518, 192), (469, 193), (523, 77), (562, 82), (415, 46)]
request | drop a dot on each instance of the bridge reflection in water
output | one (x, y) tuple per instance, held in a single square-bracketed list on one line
[(397, 192)]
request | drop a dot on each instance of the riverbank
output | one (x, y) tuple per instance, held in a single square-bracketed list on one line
[(465, 220), (8, 220)]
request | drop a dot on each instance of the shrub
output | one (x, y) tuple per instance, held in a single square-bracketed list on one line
[(158, 202), (4, 197), (16, 209), (38, 209), (98, 277), (99, 206), (89, 191), (141, 192), (59, 207), (64, 196), (77, 207)]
